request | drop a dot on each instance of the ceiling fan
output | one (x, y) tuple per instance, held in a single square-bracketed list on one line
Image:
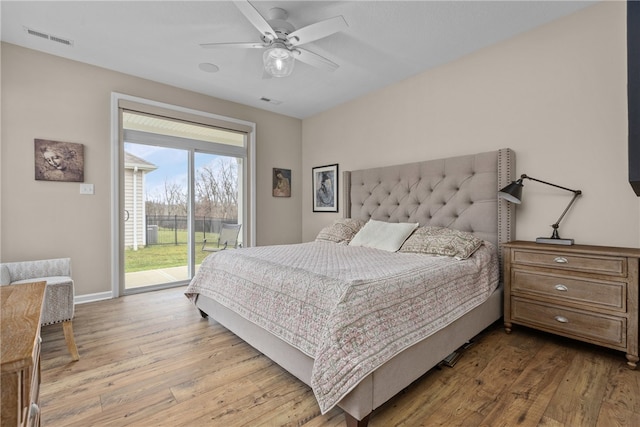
[(282, 41)]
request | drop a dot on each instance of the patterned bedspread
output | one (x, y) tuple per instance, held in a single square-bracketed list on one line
[(349, 308)]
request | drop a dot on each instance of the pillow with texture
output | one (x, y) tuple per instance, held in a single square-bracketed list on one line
[(388, 236), (341, 231), (442, 241)]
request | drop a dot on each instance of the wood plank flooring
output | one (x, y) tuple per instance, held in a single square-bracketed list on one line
[(151, 360)]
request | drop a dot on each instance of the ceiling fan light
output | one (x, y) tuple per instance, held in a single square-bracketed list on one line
[(278, 61)]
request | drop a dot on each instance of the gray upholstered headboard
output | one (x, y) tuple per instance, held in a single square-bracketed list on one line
[(457, 192)]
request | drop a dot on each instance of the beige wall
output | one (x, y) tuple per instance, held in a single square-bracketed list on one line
[(556, 95), (48, 97)]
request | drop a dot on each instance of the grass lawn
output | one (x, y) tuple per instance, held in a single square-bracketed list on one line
[(155, 257)]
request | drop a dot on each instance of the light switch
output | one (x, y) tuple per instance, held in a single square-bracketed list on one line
[(86, 188)]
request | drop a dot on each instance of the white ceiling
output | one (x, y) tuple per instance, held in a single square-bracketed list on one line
[(386, 41)]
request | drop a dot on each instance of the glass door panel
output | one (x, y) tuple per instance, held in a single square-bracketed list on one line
[(217, 198), (156, 204)]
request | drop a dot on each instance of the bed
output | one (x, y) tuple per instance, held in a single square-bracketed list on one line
[(333, 346)]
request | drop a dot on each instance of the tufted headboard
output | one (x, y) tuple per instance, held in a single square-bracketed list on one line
[(457, 192)]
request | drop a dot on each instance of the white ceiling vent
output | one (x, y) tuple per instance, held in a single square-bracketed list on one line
[(271, 101), (44, 35)]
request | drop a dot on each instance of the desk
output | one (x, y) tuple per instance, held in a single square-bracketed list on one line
[(21, 309)]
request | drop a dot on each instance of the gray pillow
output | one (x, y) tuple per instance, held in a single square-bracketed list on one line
[(341, 231), (442, 241)]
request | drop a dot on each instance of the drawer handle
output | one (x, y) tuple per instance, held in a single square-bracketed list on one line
[(561, 319), (561, 260), (561, 288)]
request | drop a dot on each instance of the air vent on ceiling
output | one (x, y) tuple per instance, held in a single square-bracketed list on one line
[(271, 101), (37, 33), (60, 40), (43, 35)]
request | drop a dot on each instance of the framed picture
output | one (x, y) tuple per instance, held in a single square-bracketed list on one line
[(58, 161), (325, 188), (281, 182)]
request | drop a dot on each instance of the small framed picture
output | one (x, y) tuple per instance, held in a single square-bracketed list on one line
[(281, 182), (58, 161), (325, 188)]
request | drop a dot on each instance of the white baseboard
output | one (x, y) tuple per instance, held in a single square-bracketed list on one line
[(81, 299)]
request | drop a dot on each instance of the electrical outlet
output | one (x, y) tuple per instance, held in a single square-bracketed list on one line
[(86, 188)]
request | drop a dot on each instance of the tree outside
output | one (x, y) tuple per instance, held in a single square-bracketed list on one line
[(166, 206)]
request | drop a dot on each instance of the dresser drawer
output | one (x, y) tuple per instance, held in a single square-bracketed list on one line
[(609, 265), (592, 327), (604, 294), (32, 408)]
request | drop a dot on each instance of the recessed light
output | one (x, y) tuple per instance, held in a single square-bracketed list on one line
[(209, 68)]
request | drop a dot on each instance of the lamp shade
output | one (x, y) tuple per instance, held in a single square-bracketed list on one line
[(512, 192), (278, 61)]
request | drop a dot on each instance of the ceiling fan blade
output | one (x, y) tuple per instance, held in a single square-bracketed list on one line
[(317, 31), (256, 19), (248, 45), (314, 59)]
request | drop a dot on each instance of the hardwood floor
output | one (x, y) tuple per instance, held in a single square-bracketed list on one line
[(151, 360)]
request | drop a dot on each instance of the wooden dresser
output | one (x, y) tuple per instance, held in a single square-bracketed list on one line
[(21, 308), (589, 293)]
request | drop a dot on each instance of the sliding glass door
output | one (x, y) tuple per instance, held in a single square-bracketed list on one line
[(177, 193)]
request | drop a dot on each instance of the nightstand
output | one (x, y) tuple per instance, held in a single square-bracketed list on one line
[(588, 293)]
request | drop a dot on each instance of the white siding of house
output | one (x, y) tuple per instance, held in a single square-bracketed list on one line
[(128, 206)]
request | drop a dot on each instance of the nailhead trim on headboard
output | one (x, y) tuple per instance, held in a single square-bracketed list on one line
[(506, 210)]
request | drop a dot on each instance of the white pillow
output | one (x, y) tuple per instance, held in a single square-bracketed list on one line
[(388, 236)]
